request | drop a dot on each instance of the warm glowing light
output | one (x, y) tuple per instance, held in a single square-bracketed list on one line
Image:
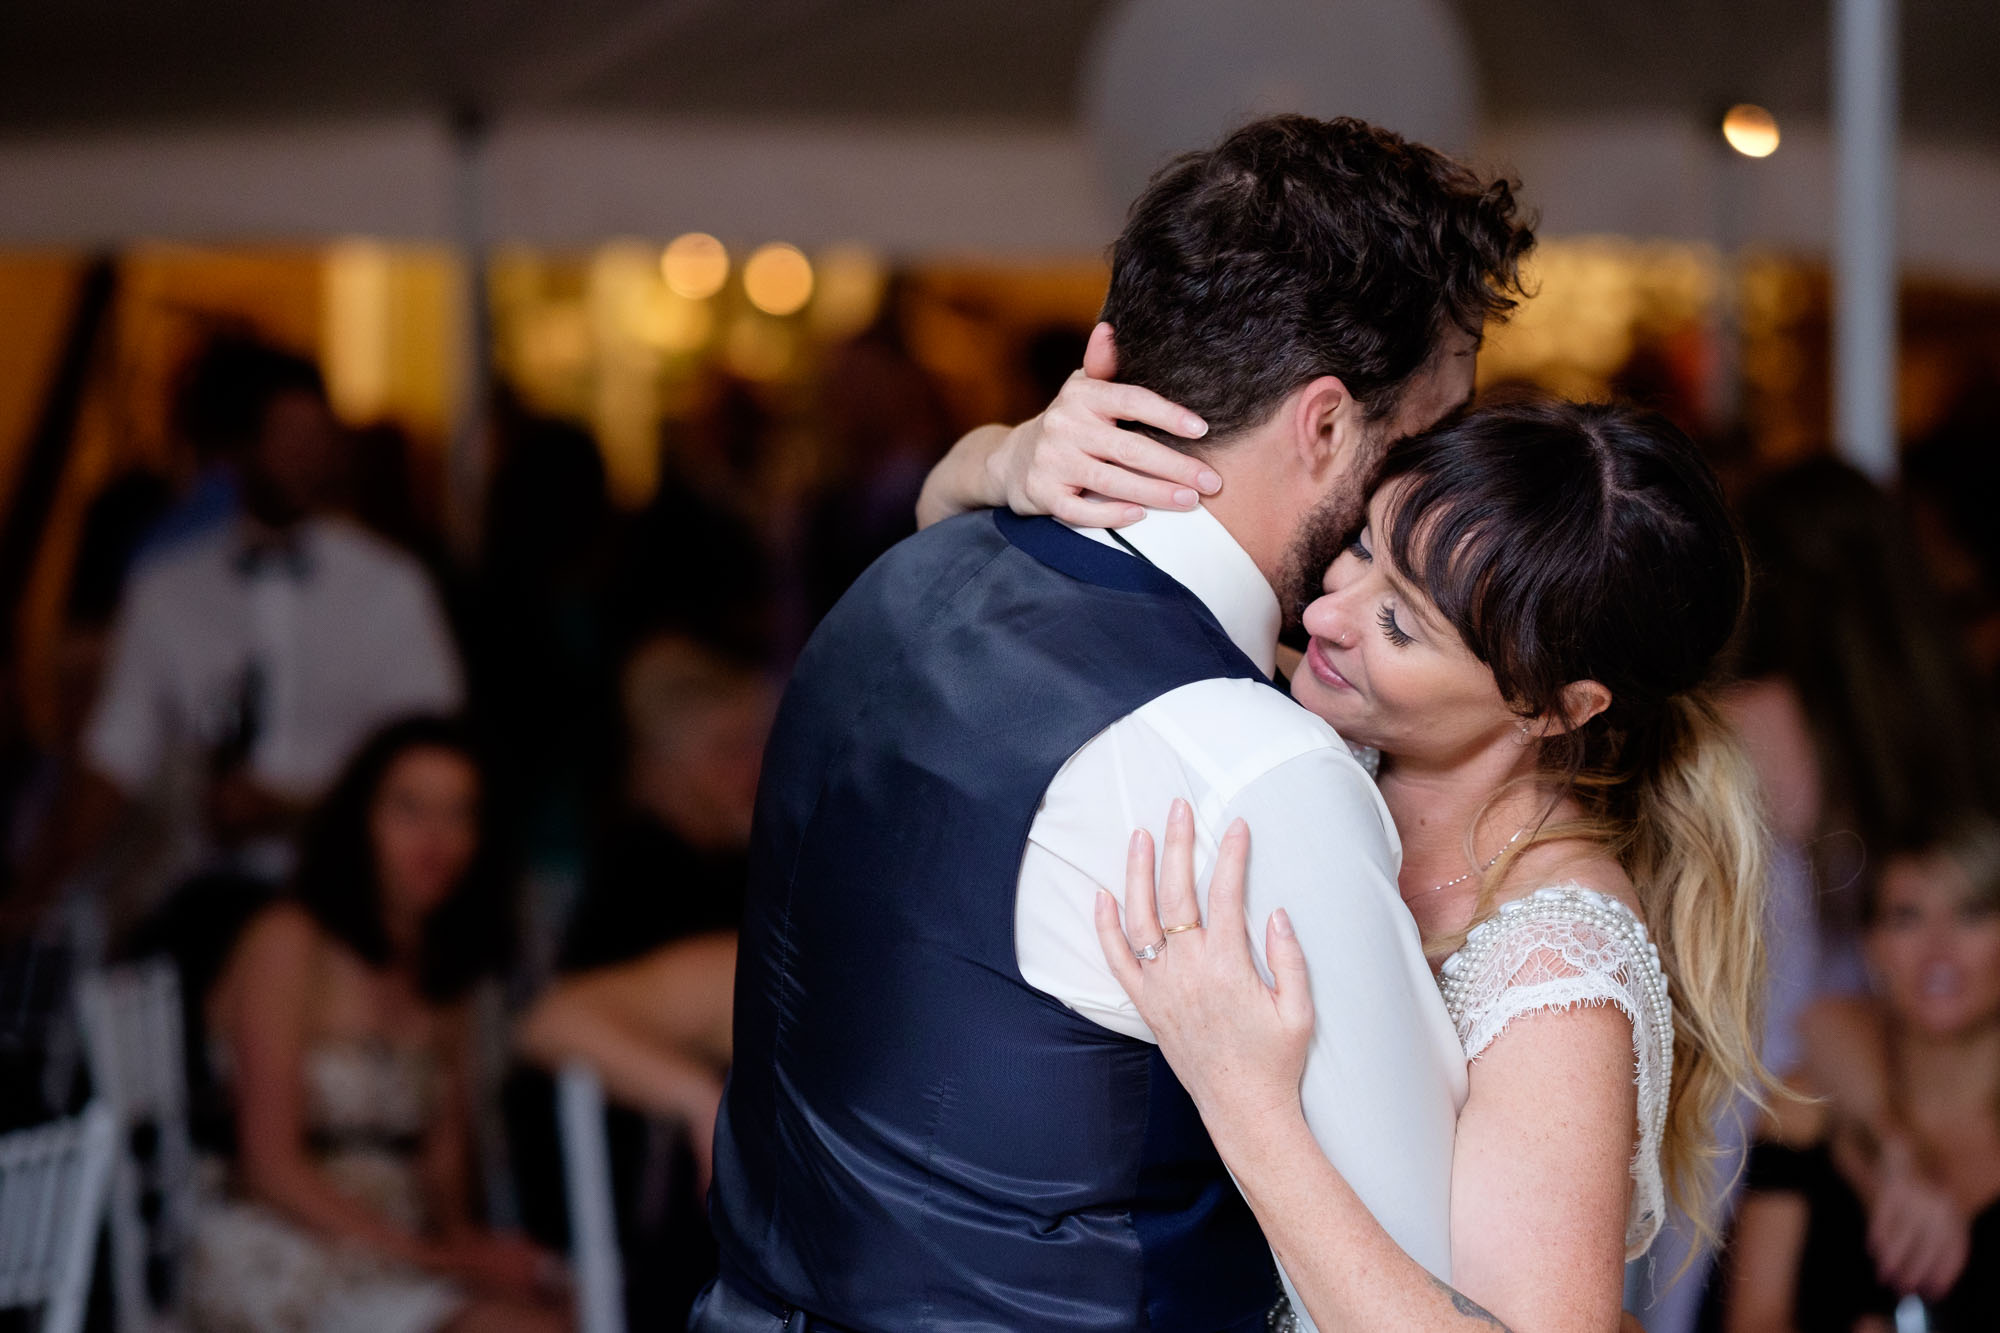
[(847, 291), (1751, 130), (757, 348), (673, 323), (778, 279), (695, 266)]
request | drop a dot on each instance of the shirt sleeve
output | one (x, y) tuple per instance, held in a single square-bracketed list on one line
[(125, 741), (426, 677), (1385, 1075)]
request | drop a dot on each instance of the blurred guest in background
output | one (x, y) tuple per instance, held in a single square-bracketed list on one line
[(695, 559), (250, 658), (216, 413), (343, 1029), (1858, 705), (656, 1030), (115, 525), (674, 862), (541, 653), (648, 967), (1050, 356), (37, 764), (1864, 722), (884, 425), (1820, 1246), (1950, 479), (383, 494)]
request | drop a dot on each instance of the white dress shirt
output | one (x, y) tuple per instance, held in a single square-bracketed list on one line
[(1386, 1076), (343, 637)]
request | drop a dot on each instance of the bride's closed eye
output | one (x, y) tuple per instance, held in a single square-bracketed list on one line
[(1386, 617)]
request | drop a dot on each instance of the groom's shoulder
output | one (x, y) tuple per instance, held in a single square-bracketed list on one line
[(1235, 731), (926, 565)]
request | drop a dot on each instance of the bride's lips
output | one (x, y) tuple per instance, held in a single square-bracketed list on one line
[(1316, 661)]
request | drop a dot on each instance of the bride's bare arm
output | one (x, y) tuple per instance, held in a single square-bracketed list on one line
[(1541, 1174), (1074, 460)]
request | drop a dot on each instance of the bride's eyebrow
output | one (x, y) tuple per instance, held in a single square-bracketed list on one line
[(1418, 604), (1413, 599)]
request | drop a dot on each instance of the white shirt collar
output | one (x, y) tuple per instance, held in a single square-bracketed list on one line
[(1196, 551)]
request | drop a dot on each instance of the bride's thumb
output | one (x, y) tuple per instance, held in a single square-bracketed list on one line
[(1100, 354), (1288, 970)]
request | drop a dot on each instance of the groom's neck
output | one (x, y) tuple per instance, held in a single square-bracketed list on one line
[(1259, 504)]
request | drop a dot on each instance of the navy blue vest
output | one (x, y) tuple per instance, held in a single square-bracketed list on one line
[(914, 1138)]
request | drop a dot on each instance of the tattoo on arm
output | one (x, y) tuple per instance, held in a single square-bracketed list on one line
[(1470, 1308)]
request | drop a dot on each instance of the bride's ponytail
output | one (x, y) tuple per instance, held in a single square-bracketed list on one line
[(1695, 847)]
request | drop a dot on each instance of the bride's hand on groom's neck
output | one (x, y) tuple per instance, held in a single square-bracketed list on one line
[(1075, 460)]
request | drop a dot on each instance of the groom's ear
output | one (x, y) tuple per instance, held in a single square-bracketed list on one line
[(1325, 427)]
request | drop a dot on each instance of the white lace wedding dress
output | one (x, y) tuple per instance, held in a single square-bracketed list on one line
[(1557, 948)]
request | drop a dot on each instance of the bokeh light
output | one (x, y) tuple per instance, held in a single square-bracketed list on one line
[(695, 266), (778, 279), (757, 348), (1751, 130), (847, 290)]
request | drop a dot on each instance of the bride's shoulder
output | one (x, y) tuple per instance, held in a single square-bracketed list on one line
[(1561, 915), (1564, 866)]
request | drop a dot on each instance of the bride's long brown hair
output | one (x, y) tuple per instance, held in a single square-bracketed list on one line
[(1568, 542)]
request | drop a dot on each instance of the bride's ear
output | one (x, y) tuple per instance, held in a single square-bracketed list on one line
[(1582, 700)]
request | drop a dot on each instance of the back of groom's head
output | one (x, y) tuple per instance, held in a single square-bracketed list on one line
[(1298, 248)]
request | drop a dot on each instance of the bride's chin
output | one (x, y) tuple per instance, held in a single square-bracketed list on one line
[(1324, 704)]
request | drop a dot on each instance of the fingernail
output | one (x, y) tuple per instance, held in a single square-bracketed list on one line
[(1138, 841), (1196, 428), (1237, 828), (1279, 922), (1210, 480), (1133, 514), (1186, 498), (1182, 812)]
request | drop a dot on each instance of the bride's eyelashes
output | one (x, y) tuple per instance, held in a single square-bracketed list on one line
[(1386, 617)]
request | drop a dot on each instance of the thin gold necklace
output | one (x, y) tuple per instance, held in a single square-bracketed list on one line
[(1439, 888)]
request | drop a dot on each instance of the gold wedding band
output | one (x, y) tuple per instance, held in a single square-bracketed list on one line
[(1175, 930)]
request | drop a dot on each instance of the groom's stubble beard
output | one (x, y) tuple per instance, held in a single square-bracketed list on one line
[(1322, 535)]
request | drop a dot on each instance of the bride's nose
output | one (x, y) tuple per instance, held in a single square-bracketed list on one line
[(1329, 617)]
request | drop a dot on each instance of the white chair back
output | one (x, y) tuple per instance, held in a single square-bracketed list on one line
[(52, 1187), (132, 1035), (593, 1222)]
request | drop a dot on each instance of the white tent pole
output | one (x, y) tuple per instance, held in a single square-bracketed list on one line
[(1865, 268)]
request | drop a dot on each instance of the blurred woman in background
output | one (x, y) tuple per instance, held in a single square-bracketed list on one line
[(344, 1034), (1808, 1249), (1857, 704)]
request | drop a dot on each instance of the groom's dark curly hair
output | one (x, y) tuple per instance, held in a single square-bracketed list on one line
[(1297, 248)]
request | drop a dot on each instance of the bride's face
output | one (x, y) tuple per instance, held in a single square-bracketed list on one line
[(1386, 670)]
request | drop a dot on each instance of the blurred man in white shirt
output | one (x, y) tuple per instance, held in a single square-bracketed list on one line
[(251, 657)]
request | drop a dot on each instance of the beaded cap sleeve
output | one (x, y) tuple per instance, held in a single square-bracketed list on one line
[(1555, 949)]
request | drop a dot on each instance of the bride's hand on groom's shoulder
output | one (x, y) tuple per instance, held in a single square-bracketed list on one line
[(1237, 1045), (1074, 460)]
